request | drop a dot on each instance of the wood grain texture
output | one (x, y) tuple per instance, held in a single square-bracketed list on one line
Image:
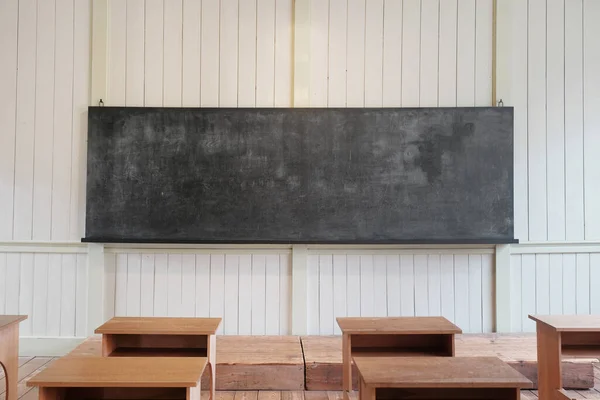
[(397, 325), (569, 323), (160, 326)]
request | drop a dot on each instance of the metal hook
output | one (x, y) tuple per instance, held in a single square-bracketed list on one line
[(500, 103), (101, 103)]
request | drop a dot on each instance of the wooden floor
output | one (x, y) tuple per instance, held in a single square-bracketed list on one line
[(29, 366)]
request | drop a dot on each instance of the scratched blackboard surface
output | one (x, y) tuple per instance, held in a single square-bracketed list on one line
[(391, 175)]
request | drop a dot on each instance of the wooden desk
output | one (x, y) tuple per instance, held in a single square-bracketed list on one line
[(394, 336), (164, 337), (572, 336), (438, 378), (120, 378), (9, 351)]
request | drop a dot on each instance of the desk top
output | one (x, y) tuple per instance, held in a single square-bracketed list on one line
[(397, 325), (439, 372), (7, 320), (160, 326), (570, 323), (180, 372)]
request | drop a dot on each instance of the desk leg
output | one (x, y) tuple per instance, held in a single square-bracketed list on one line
[(211, 351), (9, 358), (366, 392), (194, 393), (346, 365), (548, 356)]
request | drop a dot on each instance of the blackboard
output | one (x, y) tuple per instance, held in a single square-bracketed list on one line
[(300, 175)]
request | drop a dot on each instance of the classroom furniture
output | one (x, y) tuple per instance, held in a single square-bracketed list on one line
[(9, 351), (437, 378), (394, 336), (558, 336), (162, 336), (120, 378)]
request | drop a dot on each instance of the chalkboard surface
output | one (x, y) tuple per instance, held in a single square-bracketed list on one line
[(392, 175)]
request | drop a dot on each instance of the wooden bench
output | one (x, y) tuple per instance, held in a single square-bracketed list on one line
[(394, 336), (558, 336), (162, 336), (120, 378), (9, 351), (473, 378)]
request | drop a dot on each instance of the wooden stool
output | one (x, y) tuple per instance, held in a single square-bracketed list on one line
[(162, 336), (120, 378), (9, 351), (438, 378), (573, 336), (394, 336)]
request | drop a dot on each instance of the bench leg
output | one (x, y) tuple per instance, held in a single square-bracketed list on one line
[(212, 364), (347, 366), (9, 358), (548, 357), (366, 392)]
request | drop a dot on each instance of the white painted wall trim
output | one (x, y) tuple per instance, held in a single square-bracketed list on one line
[(299, 290), (555, 247), (503, 291), (43, 247), (96, 291), (47, 346)]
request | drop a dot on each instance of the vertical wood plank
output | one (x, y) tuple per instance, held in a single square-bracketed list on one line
[(24, 145), (245, 295), (594, 283), (272, 294), (569, 284), (393, 285), (134, 284), (475, 294), (461, 292), (147, 286), (134, 70), (591, 117), (217, 286), (39, 283), (110, 285), (538, 224), (44, 121), (68, 295), (26, 292), (374, 53), (573, 65), (319, 60), (209, 61), (265, 53), (366, 286), (465, 58), (336, 94), (9, 12), (174, 279), (555, 98), (556, 288), (54, 294), (528, 291), (429, 53), (392, 53), (542, 284), (190, 63), (582, 282), (81, 295), (13, 276), (173, 53), (258, 294), (516, 319), (353, 291), (355, 61), (283, 53), (121, 286), (411, 46), (117, 51), (483, 52), (3, 284), (228, 85), (161, 285), (421, 298), (447, 288), (339, 290), (285, 295), (188, 285), (247, 54), (487, 293), (434, 301), (203, 285), (448, 52), (153, 53), (81, 79), (379, 286), (407, 285), (231, 318)]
